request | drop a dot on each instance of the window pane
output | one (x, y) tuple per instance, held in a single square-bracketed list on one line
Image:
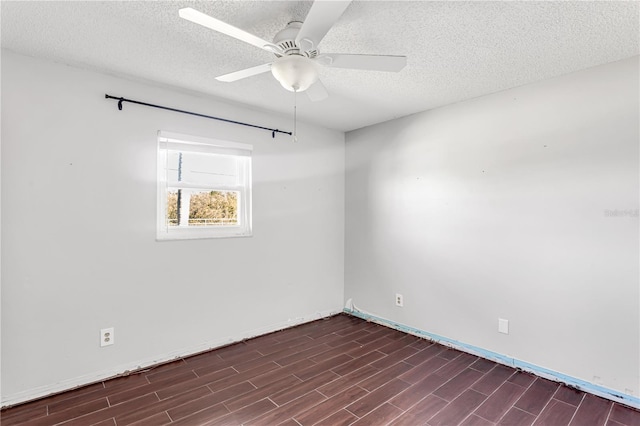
[(172, 208), (206, 208)]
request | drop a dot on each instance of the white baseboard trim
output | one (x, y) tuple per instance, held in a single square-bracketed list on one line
[(130, 368), (582, 385)]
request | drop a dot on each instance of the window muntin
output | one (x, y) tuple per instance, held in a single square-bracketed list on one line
[(204, 188)]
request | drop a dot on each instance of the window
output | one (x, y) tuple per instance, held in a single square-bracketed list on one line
[(204, 188)]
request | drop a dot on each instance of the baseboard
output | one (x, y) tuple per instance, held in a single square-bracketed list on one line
[(131, 368), (555, 376)]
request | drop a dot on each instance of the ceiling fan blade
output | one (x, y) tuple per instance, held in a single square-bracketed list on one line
[(364, 62), (205, 20), (317, 92), (238, 75), (321, 17)]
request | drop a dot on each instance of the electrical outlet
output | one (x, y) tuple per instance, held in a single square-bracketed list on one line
[(107, 337), (399, 300), (503, 326)]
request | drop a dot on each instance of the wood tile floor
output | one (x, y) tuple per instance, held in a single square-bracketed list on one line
[(337, 371)]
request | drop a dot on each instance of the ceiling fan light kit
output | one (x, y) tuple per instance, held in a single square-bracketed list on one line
[(295, 73)]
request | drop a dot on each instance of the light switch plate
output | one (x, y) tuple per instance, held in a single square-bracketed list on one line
[(503, 326)]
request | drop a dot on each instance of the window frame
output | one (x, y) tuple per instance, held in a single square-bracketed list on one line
[(170, 141)]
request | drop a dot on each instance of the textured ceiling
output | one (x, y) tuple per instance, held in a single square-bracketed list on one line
[(456, 50)]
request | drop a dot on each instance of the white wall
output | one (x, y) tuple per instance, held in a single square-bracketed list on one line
[(78, 230), (496, 207)]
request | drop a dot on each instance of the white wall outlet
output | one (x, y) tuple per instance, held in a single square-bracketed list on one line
[(503, 326), (107, 337), (399, 300)]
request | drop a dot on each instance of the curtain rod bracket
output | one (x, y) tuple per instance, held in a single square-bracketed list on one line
[(121, 100)]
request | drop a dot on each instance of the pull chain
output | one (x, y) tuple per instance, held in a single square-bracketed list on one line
[(295, 116)]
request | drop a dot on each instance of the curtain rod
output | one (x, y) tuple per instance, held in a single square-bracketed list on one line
[(121, 100)]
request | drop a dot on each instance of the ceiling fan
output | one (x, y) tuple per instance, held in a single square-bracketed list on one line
[(296, 49)]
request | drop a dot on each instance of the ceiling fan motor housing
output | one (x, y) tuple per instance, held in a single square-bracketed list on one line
[(286, 40)]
